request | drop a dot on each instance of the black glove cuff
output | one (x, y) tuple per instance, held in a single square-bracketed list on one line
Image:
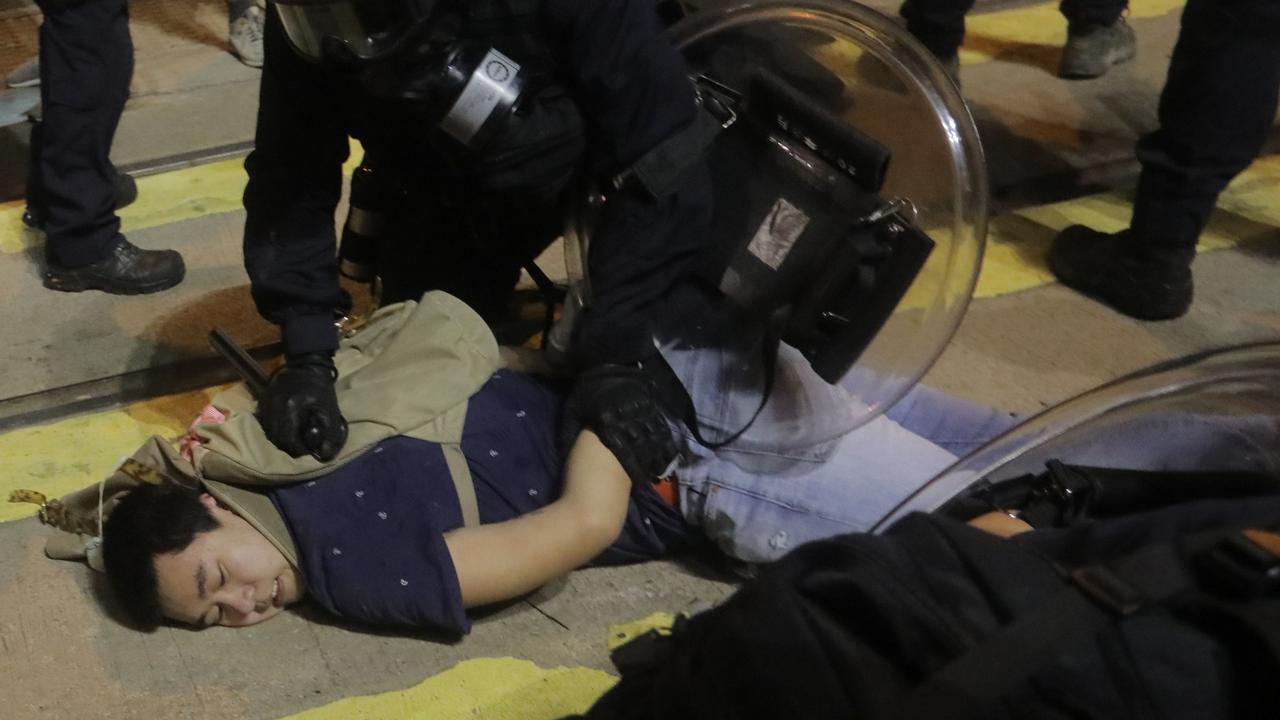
[(313, 362)]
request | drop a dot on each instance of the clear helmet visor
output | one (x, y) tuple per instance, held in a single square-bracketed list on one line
[(350, 30), (1217, 411), (854, 65)]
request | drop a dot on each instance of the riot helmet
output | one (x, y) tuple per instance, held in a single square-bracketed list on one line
[(351, 32), (413, 51)]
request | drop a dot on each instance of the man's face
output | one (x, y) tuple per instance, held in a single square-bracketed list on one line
[(230, 576)]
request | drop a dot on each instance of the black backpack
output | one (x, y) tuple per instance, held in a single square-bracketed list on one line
[(1132, 608)]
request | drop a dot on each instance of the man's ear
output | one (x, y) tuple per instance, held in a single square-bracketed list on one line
[(208, 501)]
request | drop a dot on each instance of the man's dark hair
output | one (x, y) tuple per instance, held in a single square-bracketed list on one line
[(150, 520)]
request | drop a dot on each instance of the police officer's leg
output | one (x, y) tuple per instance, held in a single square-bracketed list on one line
[(1215, 111), (86, 63), (937, 24), (1092, 12)]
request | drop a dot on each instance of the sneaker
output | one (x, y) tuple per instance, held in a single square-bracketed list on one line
[(25, 75), (1092, 49), (1143, 283), (128, 270), (246, 36), (126, 191)]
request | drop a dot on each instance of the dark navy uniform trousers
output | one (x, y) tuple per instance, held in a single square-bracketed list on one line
[(939, 24), (1217, 107), (86, 63)]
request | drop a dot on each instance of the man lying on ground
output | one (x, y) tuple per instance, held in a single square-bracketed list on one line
[(381, 540)]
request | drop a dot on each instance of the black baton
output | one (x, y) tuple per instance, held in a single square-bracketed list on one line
[(254, 377)]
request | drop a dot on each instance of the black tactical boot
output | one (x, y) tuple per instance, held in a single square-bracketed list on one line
[(1142, 282), (128, 270), (124, 187)]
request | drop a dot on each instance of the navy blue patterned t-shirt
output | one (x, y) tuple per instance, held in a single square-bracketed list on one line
[(370, 535)]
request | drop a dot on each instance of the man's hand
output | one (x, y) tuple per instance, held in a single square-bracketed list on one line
[(299, 410), (623, 406)]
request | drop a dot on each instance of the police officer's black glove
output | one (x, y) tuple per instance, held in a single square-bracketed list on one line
[(299, 410), (624, 406)]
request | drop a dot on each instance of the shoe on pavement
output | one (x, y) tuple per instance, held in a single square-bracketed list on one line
[(1141, 282), (125, 189), (25, 75), (1091, 50), (128, 270), (246, 36)]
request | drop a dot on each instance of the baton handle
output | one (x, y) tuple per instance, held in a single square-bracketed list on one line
[(255, 378)]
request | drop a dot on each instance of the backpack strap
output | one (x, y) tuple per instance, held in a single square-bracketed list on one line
[(462, 483), (1097, 596)]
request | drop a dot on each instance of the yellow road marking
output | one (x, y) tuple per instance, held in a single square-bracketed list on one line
[(623, 633), (163, 199), (74, 453), (481, 689), (1018, 242), (494, 688)]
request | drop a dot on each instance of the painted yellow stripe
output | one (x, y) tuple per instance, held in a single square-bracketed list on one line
[(494, 688), (481, 689), (1019, 241), (71, 454), (623, 633), (163, 199)]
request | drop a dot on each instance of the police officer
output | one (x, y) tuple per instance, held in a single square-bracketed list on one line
[(1216, 110), (86, 62), (483, 116)]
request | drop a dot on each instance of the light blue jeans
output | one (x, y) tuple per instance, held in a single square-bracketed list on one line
[(844, 486)]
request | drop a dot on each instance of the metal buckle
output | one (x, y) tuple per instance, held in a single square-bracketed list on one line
[(899, 207), (707, 92)]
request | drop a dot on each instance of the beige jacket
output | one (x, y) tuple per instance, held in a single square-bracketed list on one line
[(409, 371)]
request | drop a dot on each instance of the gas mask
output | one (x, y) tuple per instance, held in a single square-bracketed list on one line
[(411, 51)]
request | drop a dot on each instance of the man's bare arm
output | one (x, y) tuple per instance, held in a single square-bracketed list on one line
[(504, 560)]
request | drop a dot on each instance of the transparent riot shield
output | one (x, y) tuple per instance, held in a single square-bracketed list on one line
[(859, 69), (1218, 411)]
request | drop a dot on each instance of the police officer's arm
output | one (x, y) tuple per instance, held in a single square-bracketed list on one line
[(295, 181), (634, 91), (504, 560)]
